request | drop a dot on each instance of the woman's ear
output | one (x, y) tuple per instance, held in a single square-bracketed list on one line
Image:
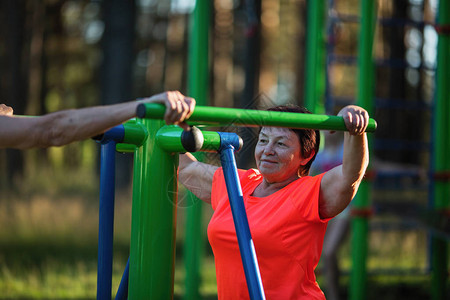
[(305, 160)]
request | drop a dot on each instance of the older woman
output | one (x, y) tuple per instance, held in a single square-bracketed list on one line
[(287, 210)]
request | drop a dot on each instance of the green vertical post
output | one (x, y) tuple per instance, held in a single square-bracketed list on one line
[(198, 88), (441, 162), (361, 203), (315, 56), (152, 247)]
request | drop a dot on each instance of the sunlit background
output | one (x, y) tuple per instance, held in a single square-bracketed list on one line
[(62, 54)]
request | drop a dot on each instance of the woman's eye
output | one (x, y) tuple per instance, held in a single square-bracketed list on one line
[(262, 140), (281, 144)]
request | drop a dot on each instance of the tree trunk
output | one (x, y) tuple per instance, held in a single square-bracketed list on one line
[(118, 54), (252, 69), (16, 77)]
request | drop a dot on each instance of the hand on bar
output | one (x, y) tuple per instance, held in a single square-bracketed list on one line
[(356, 119), (178, 107)]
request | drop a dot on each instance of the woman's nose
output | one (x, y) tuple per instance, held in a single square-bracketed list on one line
[(268, 149)]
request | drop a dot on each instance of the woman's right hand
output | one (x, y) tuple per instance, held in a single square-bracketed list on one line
[(178, 107), (356, 119)]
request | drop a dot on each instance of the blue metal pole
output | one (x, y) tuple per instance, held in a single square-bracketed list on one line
[(122, 292), (108, 142), (106, 220), (246, 246)]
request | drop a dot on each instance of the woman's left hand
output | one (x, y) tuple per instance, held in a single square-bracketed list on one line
[(355, 118)]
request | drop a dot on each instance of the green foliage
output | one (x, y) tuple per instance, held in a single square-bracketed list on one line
[(48, 250)]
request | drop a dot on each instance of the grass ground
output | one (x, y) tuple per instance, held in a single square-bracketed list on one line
[(48, 247)]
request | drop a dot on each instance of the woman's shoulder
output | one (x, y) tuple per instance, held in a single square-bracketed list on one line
[(250, 174), (248, 179)]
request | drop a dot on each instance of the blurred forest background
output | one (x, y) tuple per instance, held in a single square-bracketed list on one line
[(62, 54)]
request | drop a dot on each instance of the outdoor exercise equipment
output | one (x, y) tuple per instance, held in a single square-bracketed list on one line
[(438, 147), (315, 89), (361, 203), (441, 161), (315, 56), (131, 134), (172, 139), (106, 212), (246, 117), (198, 88), (234, 190), (156, 148)]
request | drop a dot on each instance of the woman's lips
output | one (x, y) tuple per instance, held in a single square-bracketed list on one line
[(268, 161)]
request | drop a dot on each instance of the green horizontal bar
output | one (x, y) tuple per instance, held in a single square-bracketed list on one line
[(248, 117), (169, 139), (125, 148)]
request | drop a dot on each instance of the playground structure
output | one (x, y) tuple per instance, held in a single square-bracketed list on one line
[(320, 57), (361, 214)]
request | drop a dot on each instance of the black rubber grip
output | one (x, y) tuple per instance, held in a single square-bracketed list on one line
[(140, 110), (192, 140)]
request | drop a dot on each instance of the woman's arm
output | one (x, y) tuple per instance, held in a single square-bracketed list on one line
[(340, 184), (64, 127), (196, 176)]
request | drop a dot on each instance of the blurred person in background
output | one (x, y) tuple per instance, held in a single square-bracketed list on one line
[(337, 230)]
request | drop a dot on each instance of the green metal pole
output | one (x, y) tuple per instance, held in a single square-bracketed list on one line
[(315, 56), (198, 88), (441, 188), (361, 203), (152, 249), (135, 135), (249, 117), (168, 138)]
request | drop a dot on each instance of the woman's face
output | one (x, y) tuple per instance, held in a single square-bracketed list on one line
[(278, 154)]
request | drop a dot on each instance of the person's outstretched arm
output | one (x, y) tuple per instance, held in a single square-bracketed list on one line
[(63, 127), (196, 176), (340, 184)]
